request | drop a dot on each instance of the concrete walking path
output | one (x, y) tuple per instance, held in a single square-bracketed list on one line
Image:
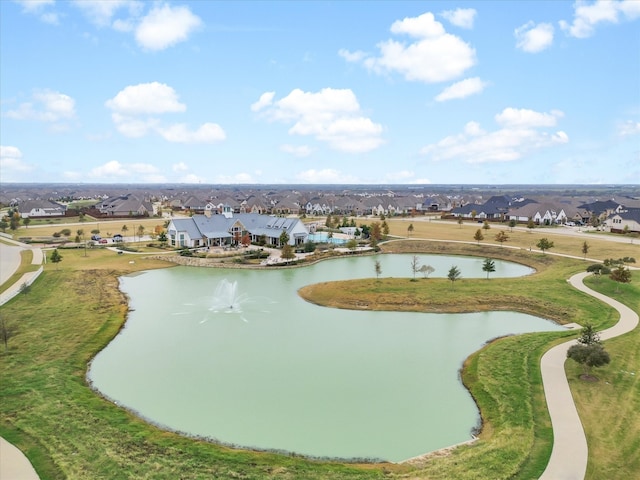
[(13, 464), (570, 453)]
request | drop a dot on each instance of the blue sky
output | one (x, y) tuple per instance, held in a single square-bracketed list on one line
[(320, 92)]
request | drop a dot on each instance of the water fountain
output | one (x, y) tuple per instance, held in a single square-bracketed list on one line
[(226, 298)]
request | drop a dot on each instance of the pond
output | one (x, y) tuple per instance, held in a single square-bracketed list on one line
[(237, 356)]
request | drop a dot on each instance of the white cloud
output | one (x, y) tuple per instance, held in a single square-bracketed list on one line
[(100, 12), (587, 15), (330, 115), (460, 17), (134, 127), (165, 26), (34, 6), (522, 132), (237, 178), (191, 178), (628, 128), (180, 167), (110, 169), (46, 106), (522, 117), (462, 89), (134, 172), (265, 100), (534, 38), (296, 150), (327, 175), (206, 133), (435, 56), (356, 56), (136, 109), (146, 98), (399, 177), (11, 161)]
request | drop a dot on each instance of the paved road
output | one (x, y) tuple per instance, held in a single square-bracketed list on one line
[(9, 260), (570, 453)]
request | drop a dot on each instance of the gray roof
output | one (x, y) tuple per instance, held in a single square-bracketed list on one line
[(187, 225)]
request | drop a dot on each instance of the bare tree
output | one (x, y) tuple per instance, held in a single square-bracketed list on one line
[(415, 266)]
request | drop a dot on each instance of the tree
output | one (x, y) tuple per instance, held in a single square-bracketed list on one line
[(26, 222), (415, 266), (486, 225), (488, 266), (501, 237), (124, 229), (460, 221), (512, 224), (378, 269), (375, 231), (588, 335), (3, 224), (140, 231), (598, 269), (410, 229), (589, 356), (329, 221), (530, 224), (284, 238), (454, 274), (621, 274), (385, 228), (287, 252), (585, 248), (544, 244), (55, 256), (14, 221), (6, 331), (162, 237), (427, 270), (352, 244), (478, 237)]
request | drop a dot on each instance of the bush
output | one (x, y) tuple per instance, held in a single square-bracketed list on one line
[(599, 269)]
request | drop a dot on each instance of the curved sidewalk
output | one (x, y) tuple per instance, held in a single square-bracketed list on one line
[(569, 455), (13, 464)]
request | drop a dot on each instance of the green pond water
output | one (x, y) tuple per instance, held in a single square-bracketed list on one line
[(236, 356)]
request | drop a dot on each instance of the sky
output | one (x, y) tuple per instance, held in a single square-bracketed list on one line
[(306, 92)]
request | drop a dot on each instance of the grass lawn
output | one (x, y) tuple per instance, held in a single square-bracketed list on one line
[(75, 309)]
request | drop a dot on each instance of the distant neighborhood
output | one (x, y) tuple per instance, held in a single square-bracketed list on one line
[(216, 215)]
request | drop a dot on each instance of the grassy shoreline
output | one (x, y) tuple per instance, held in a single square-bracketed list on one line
[(68, 431)]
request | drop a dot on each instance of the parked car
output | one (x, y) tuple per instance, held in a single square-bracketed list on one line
[(104, 240), (117, 237), (96, 237)]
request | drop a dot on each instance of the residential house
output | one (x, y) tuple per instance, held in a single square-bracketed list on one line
[(41, 208), (125, 205), (540, 213), (627, 221)]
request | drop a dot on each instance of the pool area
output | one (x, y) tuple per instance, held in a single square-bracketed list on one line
[(323, 237)]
